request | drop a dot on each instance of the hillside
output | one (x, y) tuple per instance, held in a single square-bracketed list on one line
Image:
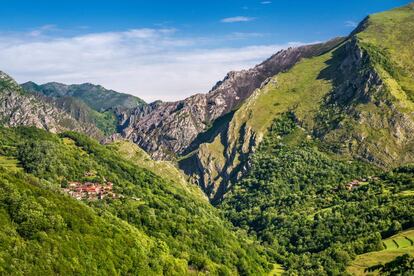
[(20, 108), (303, 164), (356, 99), (316, 209), (316, 162), (105, 121), (95, 96), (393, 247), (186, 234), (87, 103), (164, 169), (45, 232)]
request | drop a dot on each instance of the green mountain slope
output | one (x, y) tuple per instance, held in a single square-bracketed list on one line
[(298, 200), (356, 99), (95, 96), (105, 121), (44, 232), (397, 245), (164, 169), (189, 233), (301, 142)]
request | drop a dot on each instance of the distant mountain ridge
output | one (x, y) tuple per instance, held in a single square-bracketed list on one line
[(95, 96), (18, 108), (87, 102)]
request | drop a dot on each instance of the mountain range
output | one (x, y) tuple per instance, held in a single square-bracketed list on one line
[(300, 165)]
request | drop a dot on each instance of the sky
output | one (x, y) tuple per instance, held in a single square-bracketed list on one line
[(162, 49)]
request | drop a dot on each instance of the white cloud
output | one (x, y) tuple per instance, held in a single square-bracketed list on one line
[(351, 24), (149, 63), (266, 2), (237, 19)]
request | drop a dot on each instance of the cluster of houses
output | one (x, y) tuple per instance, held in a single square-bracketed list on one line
[(357, 183), (353, 184), (90, 190)]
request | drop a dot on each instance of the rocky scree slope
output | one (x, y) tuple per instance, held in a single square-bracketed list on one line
[(19, 108), (166, 130), (356, 100)]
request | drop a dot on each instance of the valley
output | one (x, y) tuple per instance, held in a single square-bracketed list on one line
[(301, 165)]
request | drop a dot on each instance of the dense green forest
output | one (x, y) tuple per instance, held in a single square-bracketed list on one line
[(45, 233), (295, 199), (190, 235)]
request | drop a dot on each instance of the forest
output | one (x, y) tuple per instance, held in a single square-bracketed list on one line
[(176, 231), (295, 199)]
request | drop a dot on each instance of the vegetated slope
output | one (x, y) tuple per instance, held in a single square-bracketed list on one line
[(106, 121), (186, 228), (318, 210), (95, 96), (88, 103), (397, 245), (20, 108), (169, 129), (165, 169), (43, 232), (356, 99)]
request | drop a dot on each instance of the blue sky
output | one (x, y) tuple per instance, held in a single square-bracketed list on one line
[(162, 49)]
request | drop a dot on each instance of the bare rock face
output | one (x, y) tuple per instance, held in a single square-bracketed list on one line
[(18, 108), (167, 129)]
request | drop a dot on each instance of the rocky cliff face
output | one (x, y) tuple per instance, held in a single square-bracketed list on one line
[(166, 130), (20, 108)]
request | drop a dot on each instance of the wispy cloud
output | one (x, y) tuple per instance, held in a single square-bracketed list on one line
[(266, 2), (43, 30), (351, 24), (150, 63), (236, 19)]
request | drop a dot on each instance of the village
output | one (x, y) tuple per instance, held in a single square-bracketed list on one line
[(90, 190), (356, 183)]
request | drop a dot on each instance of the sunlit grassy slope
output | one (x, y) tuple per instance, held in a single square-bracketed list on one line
[(389, 37), (357, 99), (164, 169), (353, 103), (400, 244)]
